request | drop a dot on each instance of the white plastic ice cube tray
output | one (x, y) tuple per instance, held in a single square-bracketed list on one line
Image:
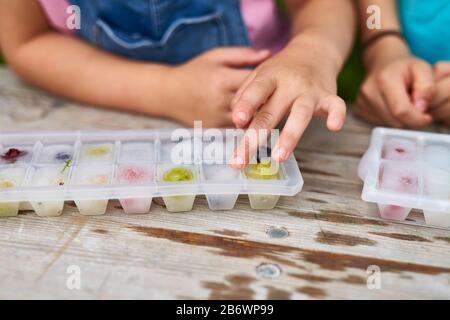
[(404, 170), (85, 166)]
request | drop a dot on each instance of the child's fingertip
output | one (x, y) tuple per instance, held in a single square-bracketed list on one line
[(279, 154), (241, 116), (421, 105), (335, 123), (264, 52), (237, 161)]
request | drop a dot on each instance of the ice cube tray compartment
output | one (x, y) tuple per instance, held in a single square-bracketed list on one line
[(74, 155), (404, 170)]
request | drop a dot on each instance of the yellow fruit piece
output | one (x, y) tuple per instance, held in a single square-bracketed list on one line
[(98, 151)]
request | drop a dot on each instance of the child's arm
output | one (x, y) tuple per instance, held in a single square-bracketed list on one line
[(72, 68), (300, 81), (398, 87)]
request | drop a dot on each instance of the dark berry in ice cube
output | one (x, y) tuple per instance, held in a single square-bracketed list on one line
[(13, 154), (63, 156)]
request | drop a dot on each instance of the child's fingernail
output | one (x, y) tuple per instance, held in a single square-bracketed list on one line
[(335, 123), (237, 160), (241, 116), (421, 105), (264, 52), (279, 154)]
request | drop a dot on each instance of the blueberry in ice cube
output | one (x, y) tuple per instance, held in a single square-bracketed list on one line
[(63, 156)]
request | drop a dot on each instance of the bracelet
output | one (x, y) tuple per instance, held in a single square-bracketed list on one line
[(380, 35)]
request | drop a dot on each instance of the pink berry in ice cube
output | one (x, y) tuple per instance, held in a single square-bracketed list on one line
[(400, 149)]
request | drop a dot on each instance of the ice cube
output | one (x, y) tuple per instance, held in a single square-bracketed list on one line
[(437, 183), (177, 175), (221, 173), (9, 178), (399, 177), (135, 174), (46, 177), (182, 152), (16, 154), (179, 203), (56, 154), (137, 151), (393, 212), (221, 201), (400, 149), (263, 201), (437, 156), (101, 152), (265, 170), (92, 176), (218, 152), (437, 218)]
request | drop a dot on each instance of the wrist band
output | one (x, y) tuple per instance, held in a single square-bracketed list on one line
[(374, 38)]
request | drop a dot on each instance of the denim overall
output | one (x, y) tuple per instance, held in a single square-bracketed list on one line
[(167, 31), (426, 25)]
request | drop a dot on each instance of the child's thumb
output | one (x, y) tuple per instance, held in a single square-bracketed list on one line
[(240, 56), (423, 85)]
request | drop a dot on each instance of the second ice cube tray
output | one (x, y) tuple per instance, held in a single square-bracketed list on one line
[(404, 170), (45, 169)]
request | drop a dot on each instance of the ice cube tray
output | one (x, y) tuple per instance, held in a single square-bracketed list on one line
[(45, 169), (404, 170)]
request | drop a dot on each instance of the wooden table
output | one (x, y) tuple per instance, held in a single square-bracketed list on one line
[(317, 244)]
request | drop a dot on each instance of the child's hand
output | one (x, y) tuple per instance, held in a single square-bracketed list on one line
[(203, 88), (397, 94), (440, 106), (286, 84)]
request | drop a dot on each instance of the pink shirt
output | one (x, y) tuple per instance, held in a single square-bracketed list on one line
[(266, 27)]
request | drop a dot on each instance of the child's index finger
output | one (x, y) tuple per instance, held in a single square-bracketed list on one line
[(251, 99), (248, 147)]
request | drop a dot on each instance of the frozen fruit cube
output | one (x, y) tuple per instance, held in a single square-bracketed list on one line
[(400, 149), (399, 178)]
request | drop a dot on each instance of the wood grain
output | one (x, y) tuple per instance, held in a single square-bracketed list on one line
[(320, 242)]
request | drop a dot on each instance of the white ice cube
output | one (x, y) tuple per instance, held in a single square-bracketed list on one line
[(9, 178), (49, 177), (137, 151), (219, 173), (184, 152), (92, 176), (398, 177), (437, 156), (56, 154), (218, 152), (400, 149)]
